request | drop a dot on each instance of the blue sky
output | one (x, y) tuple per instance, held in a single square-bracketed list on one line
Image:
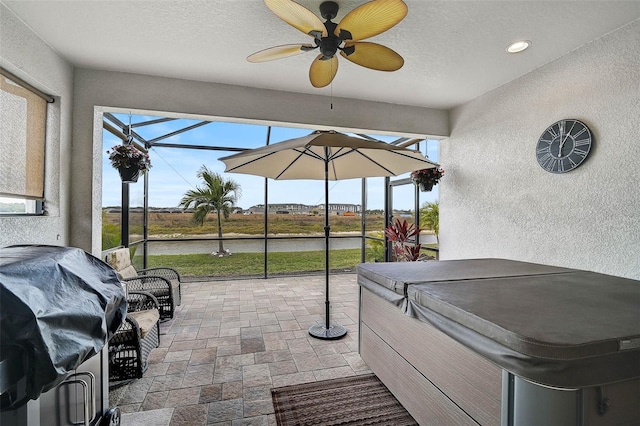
[(174, 170)]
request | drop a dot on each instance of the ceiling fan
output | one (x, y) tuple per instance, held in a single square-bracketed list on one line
[(367, 20)]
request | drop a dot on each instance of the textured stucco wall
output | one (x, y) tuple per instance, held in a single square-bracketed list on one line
[(496, 201), (96, 91), (28, 57)]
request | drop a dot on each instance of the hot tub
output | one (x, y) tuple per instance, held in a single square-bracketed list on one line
[(494, 341)]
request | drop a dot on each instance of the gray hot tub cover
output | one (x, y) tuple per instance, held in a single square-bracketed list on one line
[(553, 326), (549, 347), (398, 279), (59, 306)]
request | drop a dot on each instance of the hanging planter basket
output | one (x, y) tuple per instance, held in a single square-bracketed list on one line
[(426, 178), (129, 174), (130, 162), (425, 186)]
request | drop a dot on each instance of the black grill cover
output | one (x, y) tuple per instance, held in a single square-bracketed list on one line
[(59, 306)]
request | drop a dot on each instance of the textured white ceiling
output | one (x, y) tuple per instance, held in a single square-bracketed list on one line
[(454, 51)]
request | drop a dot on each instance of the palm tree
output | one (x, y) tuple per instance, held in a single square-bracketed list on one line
[(430, 217), (218, 194)]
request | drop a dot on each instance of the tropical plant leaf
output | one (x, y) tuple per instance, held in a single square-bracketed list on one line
[(217, 195), (402, 236)]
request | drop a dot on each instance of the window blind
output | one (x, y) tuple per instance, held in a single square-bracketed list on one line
[(23, 117)]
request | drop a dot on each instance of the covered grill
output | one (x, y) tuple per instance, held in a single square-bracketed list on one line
[(59, 307)]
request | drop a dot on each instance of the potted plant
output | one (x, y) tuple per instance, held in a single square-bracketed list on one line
[(130, 162), (402, 236), (426, 178)]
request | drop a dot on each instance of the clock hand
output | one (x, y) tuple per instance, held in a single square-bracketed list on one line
[(561, 125), (565, 139)]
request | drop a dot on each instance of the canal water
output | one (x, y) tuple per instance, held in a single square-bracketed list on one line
[(257, 246)]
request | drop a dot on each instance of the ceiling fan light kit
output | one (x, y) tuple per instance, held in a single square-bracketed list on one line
[(365, 21)]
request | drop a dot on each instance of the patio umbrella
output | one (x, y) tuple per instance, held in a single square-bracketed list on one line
[(326, 155)]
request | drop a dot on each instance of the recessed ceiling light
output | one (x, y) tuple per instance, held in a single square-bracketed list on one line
[(518, 46)]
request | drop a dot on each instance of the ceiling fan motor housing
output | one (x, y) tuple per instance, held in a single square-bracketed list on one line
[(329, 45), (329, 9)]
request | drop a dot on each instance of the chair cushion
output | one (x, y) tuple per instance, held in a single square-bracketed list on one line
[(128, 272), (119, 259), (175, 283), (146, 320)]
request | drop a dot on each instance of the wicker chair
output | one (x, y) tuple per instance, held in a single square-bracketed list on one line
[(131, 344), (163, 283)]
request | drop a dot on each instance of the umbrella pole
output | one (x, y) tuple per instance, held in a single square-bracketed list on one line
[(326, 330), (327, 253)]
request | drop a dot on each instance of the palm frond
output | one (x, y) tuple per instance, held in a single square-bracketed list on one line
[(217, 194)]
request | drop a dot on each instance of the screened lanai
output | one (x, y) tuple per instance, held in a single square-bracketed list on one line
[(275, 228)]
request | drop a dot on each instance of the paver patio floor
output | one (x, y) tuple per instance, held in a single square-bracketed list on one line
[(231, 341)]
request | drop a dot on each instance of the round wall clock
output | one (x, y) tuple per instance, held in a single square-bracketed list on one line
[(564, 146)]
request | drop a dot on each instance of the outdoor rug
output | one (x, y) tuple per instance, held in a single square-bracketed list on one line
[(357, 400)]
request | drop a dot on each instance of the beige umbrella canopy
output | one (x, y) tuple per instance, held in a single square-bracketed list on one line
[(347, 157), (327, 155)]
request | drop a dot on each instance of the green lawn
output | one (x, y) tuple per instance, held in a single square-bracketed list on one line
[(251, 264)]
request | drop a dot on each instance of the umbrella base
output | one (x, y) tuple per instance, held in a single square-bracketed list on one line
[(334, 331)]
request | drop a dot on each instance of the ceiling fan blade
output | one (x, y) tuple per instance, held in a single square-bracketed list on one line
[(297, 16), (323, 71), (372, 55), (371, 19), (279, 52)]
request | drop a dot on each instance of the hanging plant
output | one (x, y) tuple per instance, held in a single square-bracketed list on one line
[(426, 178), (130, 162)]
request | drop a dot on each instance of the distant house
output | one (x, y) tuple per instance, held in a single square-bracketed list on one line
[(341, 209), (278, 208), (257, 209), (295, 208)]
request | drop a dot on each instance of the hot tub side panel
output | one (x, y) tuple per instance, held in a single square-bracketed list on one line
[(431, 361)]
